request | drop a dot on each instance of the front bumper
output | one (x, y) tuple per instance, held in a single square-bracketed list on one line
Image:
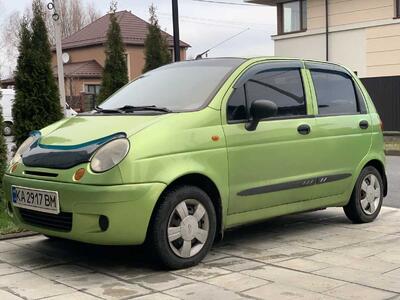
[(128, 208)]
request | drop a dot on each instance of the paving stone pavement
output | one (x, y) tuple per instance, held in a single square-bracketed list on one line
[(318, 255)]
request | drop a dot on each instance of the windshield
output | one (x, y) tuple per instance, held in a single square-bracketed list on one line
[(185, 86)]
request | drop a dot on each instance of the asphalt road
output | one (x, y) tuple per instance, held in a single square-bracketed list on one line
[(393, 174)]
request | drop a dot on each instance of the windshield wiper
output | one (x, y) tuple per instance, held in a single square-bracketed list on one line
[(130, 108), (107, 111)]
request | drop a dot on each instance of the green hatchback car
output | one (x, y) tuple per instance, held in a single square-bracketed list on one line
[(191, 149)]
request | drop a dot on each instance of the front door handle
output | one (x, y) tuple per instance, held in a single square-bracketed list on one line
[(364, 124), (304, 129)]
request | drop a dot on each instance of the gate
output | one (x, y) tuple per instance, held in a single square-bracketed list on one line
[(385, 92)]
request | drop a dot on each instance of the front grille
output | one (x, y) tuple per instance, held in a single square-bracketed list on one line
[(61, 222)]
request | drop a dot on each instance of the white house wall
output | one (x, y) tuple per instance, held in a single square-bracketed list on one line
[(363, 36), (348, 12), (383, 50), (346, 47)]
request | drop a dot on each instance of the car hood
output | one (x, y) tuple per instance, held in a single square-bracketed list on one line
[(84, 129), (71, 142)]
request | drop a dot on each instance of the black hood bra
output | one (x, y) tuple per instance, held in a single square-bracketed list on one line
[(64, 157)]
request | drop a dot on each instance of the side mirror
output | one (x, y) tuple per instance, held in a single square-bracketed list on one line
[(260, 109)]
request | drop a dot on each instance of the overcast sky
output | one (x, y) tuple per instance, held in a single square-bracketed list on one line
[(203, 24)]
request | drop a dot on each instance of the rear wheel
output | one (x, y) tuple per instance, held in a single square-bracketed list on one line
[(367, 197), (183, 228)]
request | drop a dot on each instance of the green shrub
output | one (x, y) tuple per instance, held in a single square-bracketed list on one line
[(3, 146), (36, 103), (156, 46), (115, 73)]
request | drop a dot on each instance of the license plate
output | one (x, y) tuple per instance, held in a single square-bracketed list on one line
[(34, 199)]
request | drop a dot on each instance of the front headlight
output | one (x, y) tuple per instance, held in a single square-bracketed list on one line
[(109, 155), (23, 148)]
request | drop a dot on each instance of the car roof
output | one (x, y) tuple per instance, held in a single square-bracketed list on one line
[(266, 58)]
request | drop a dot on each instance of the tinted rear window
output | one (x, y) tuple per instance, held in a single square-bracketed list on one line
[(335, 92)]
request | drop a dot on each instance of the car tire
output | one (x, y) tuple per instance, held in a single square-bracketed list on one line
[(7, 129), (367, 197), (183, 227)]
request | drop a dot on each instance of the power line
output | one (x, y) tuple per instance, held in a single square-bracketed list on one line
[(220, 24), (225, 22), (226, 3)]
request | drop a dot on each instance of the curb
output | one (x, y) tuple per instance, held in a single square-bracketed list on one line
[(391, 133), (17, 235), (392, 152)]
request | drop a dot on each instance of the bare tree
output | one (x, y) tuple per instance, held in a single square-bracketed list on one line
[(92, 12), (74, 16), (9, 42)]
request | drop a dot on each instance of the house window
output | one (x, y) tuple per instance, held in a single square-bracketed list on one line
[(92, 89), (292, 16)]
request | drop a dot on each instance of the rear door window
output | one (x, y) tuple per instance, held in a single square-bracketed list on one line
[(336, 93)]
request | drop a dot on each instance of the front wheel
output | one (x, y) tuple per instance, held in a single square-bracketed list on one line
[(183, 227), (367, 197)]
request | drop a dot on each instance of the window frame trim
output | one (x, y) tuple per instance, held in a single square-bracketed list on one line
[(254, 70), (280, 18)]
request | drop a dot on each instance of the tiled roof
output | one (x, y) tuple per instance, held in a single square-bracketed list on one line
[(84, 69), (133, 31)]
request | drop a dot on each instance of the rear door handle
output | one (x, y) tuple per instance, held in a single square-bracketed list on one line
[(364, 124), (304, 129)]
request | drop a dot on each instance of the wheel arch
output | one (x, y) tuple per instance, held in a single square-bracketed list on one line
[(377, 164), (208, 186)]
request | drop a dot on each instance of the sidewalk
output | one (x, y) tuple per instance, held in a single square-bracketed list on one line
[(317, 255)]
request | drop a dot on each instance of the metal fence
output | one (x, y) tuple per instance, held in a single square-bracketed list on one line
[(385, 92)]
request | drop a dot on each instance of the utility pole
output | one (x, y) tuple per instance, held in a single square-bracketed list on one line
[(55, 5), (175, 20)]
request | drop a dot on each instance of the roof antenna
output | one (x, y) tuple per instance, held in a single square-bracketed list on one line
[(200, 56)]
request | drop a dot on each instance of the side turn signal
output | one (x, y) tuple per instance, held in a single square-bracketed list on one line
[(215, 138)]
